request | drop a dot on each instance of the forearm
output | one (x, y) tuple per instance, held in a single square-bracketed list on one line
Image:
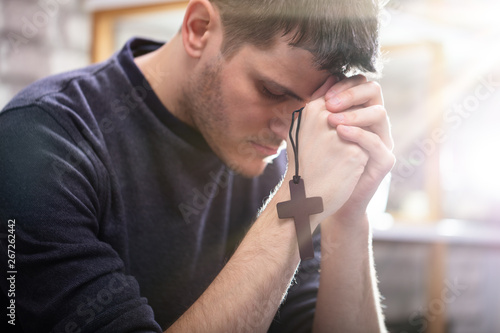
[(348, 297), (246, 294)]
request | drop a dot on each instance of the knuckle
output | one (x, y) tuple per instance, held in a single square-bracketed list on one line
[(347, 95), (375, 86), (351, 117), (360, 78), (356, 154), (380, 111), (392, 159), (381, 148), (391, 162), (315, 104), (391, 144)]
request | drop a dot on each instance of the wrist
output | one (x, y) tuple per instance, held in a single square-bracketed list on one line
[(356, 224), (271, 237)]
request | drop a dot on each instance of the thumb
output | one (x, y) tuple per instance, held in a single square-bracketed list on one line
[(325, 87)]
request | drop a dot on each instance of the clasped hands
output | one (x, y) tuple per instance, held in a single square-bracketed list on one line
[(345, 146)]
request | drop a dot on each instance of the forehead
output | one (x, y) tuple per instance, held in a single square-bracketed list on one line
[(287, 65)]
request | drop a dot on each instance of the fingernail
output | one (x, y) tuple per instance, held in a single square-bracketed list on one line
[(330, 94), (338, 117), (334, 101)]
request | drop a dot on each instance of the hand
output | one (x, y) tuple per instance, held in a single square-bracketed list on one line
[(330, 166), (357, 112)]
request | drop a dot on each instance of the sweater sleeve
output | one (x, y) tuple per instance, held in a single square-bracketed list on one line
[(68, 276)]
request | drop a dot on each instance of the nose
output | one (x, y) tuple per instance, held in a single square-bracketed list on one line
[(280, 118), (279, 127)]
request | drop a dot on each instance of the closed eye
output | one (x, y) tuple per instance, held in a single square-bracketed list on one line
[(271, 95)]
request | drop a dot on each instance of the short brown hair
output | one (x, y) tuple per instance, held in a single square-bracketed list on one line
[(341, 34)]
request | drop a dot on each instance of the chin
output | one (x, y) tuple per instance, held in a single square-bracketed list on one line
[(249, 169)]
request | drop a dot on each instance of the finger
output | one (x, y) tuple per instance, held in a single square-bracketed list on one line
[(345, 83), (321, 91), (366, 94), (380, 156), (373, 118)]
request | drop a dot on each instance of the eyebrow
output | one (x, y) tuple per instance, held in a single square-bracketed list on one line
[(286, 91)]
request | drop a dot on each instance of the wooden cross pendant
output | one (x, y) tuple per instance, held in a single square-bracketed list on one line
[(299, 208)]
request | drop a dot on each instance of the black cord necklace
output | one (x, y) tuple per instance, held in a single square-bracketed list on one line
[(295, 147), (300, 207)]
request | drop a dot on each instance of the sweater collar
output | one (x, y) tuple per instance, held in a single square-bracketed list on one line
[(134, 48)]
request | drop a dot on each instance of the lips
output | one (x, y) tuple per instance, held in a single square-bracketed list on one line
[(265, 150)]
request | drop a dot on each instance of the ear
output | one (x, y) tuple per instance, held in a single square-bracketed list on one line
[(200, 22)]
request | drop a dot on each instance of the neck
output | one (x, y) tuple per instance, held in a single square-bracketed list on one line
[(167, 71)]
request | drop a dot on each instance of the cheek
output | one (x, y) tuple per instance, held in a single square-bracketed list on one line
[(244, 111), (247, 110)]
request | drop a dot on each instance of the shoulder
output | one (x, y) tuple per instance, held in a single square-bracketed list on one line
[(78, 94), (55, 86), (41, 155), (68, 103)]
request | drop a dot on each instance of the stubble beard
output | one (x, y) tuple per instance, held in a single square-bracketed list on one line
[(203, 104)]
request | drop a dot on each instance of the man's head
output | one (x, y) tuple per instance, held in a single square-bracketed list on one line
[(244, 64), (341, 34)]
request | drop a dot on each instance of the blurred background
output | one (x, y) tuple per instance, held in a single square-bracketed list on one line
[(437, 241)]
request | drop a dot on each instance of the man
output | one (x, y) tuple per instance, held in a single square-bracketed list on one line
[(133, 183)]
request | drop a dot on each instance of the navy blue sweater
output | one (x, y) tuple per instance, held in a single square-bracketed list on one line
[(122, 214)]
